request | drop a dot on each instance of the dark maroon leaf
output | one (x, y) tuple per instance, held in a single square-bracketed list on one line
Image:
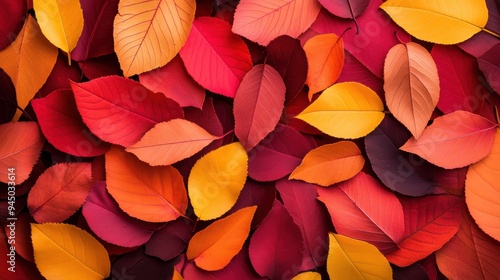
[(60, 76), (489, 63), (139, 266), (169, 241), (12, 16), (96, 67), (8, 102), (412, 272)]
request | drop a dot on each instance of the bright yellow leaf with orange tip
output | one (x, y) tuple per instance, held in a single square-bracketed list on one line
[(216, 180), (64, 251), (213, 247)]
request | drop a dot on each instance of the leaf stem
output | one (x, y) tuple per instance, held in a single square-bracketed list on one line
[(353, 18), (491, 33)]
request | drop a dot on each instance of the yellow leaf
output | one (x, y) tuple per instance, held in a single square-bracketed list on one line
[(441, 22), (345, 110), (213, 247), (330, 164), (177, 275), (28, 61), (148, 34), (61, 22), (64, 251), (309, 275), (216, 180), (353, 259)]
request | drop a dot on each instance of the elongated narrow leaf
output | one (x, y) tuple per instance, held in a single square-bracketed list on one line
[(325, 56), (215, 246), (439, 22), (258, 104), (161, 188), (345, 110), (60, 21), (21, 145), (216, 180), (375, 214), (65, 251), (121, 111), (482, 188), (215, 57), (149, 34), (353, 259), (258, 21), (454, 140), (330, 164), (59, 192), (169, 142), (411, 85)]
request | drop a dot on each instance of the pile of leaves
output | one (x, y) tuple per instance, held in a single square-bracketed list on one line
[(304, 139)]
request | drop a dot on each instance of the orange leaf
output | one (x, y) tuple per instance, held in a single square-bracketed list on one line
[(330, 164), (28, 61), (169, 142), (21, 145), (153, 194), (148, 34), (411, 85), (213, 247), (325, 58), (60, 191), (177, 275), (482, 191)]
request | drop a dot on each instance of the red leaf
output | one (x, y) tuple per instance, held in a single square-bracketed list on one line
[(363, 209), (101, 66), (356, 71), (60, 77), (104, 216), (120, 111), (258, 105), (215, 57), (489, 63), (175, 83), (11, 21), (276, 247), (170, 240), (430, 222), (299, 199), (286, 55), (345, 8), (285, 146), (63, 127), (59, 192)]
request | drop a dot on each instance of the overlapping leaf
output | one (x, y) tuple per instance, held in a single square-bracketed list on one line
[(345, 8)]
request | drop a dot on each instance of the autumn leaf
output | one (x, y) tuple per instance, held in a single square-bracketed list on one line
[(309, 275), (447, 24), (82, 255), (345, 8), (159, 29), (345, 110)]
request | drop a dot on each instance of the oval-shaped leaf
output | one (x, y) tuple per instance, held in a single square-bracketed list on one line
[(215, 57), (454, 140), (330, 164), (309, 275), (22, 143), (431, 21), (169, 142), (153, 194), (258, 105), (345, 110), (65, 251), (170, 240), (411, 85), (216, 180), (59, 192), (213, 247), (325, 56), (276, 247), (482, 189), (354, 259), (345, 8), (121, 111), (149, 34), (375, 214), (17, 61), (61, 22), (258, 21)]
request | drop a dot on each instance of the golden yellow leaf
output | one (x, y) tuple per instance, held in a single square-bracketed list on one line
[(216, 180), (28, 61), (61, 21), (345, 110), (309, 275), (64, 251), (330, 164), (353, 259), (441, 22), (213, 247), (148, 34)]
